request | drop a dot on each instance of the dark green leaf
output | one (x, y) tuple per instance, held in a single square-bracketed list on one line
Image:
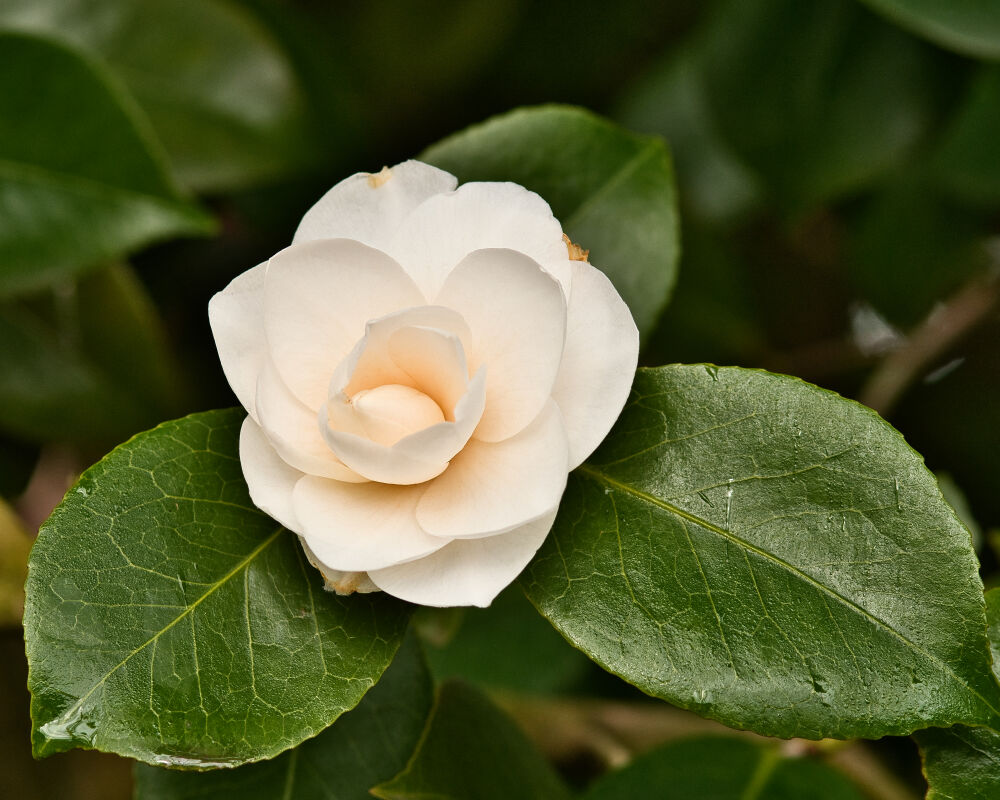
[(170, 621), (81, 179), (971, 27), (89, 364), (770, 555), (471, 750), (722, 769), (612, 190), (367, 745), (966, 163), (962, 763), (848, 98), (216, 86), (508, 646)]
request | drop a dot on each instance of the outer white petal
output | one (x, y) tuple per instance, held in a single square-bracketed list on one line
[(269, 479), (466, 572), (420, 456), (442, 231), (236, 315), (360, 527), (337, 581), (318, 298), (517, 314), (598, 363), (494, 487), (293, 430), (370, 207)]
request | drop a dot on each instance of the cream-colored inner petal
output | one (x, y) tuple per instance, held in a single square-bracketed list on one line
[(390, 412)]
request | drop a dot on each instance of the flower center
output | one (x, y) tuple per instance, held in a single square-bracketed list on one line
[(389, 412)]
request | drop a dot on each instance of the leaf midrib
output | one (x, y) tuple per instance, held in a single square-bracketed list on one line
[(597, 474), (243, 564)]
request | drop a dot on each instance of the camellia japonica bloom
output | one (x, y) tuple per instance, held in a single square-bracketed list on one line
[(422, 368)]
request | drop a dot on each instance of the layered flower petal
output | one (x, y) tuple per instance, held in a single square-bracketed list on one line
[(517, 314), (361, 527), (447, 227), (336, 580), (236, 315), (494, 487), (318, 298), (269, 479), (466, 571), (371, 207), (598, 362)]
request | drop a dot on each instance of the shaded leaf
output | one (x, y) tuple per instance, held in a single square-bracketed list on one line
[(215, 84), (770, 555), (68, 203), (171, 621), (471, 750), (971, 27), (368, 744), (722, 769), (613, 191), (963, 763)]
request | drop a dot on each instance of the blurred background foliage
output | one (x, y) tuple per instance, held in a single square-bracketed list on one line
[(839, 178)]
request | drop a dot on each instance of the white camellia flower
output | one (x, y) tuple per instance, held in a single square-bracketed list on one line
[(422, 368)]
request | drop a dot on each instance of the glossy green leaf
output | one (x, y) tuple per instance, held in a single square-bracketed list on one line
[(68, 202), (87, 363), (471, 750), (847, 100), (367, 745), (722, 769), (971, 27), (169, 620), (218, 89), (963, 763), (966, 162), (612, 190), (770, 555)]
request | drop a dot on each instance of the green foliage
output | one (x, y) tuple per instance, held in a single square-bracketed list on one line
[(69, 202), (742, 536), (470, 750), (215, 84), (170, 621), (367, 745), (613, 191), (971, 27), (722, 769)]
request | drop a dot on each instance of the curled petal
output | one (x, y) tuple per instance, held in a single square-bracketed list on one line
[(441, 231), (318, 298), (294, 431), (236, 315), (492, 487), (517, 314), (360, 527), (370, 208), (269, 479), (466, 571), (598, 363)]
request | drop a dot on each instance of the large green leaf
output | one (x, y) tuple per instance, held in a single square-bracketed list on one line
[(215, 84), (169, 620), (612, 190), (963, 763), (847, 100), (71, 200), (471, 750), (722, 769), (770, 555), (88, 363), (971, 27), (367, 745)]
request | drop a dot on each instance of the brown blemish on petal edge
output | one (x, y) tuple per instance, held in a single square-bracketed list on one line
[(376, 179), (576, 253)]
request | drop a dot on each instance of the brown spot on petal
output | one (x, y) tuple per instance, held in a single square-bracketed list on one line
[(346, 585), (576, 253), (376, 179)]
